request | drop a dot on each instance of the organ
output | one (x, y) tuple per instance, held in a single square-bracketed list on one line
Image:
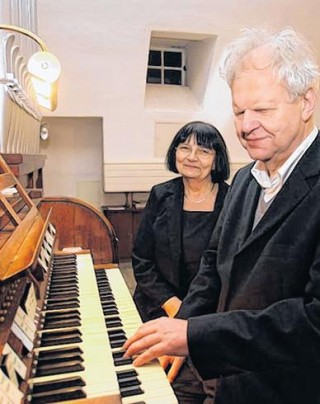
[(65, 310)]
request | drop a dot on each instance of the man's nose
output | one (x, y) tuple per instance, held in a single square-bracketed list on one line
[(249, 121)]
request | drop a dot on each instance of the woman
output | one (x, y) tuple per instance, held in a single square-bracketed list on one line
[(178, 220)]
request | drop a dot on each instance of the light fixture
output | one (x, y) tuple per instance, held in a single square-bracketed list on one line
[(44, 131), (44, 68)]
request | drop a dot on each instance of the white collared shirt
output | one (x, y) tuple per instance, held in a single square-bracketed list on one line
[(271, 186)]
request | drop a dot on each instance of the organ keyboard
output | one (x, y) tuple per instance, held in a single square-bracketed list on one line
[(154, 387), (64, 317)]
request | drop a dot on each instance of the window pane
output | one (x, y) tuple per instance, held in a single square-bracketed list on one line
[(172, 59), (154, 76), (172, 77), (154, 58)]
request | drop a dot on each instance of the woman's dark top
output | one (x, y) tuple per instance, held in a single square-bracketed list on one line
[(197, 229), (158, 251)]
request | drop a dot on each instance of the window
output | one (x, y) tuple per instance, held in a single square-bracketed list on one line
[(178, 66), (166, 66)]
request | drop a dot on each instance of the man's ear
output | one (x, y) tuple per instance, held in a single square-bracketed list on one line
[(309, 104)]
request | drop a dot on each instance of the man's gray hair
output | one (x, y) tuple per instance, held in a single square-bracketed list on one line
[(293, 58)]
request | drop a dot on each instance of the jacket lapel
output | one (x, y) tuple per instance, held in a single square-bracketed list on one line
[(174, 206), (245, 222), (293, 191)]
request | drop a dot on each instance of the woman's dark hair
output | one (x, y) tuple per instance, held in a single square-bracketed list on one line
[(206, 135)]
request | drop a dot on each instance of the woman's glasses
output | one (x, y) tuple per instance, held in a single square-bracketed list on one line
[(202, 153)]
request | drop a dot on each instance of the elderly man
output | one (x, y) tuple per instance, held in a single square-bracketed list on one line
[(251, 319)]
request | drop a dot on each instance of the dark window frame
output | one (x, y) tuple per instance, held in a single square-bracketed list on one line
[(165, 70)]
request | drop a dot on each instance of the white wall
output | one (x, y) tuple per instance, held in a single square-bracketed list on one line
[(74, 170), (103, 47)]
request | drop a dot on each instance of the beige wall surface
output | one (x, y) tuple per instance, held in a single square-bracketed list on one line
[(74, 158), (103, 49)]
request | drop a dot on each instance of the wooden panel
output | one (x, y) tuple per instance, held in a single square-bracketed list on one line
[(79, 224), (6, 181), (121, 221), (22, 226), (22, 164), (136, 220), (125, 223), (28, 169)]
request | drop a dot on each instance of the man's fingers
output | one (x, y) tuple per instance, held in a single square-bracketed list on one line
[(171, 375), (175, 368), (141, 344), (143, 331), (165, 361), (158, 337), (153, 352)]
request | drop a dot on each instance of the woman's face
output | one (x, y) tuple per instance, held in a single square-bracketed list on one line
[(194, 161)]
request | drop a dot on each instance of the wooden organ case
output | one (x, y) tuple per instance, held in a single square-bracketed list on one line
[(65, 310)]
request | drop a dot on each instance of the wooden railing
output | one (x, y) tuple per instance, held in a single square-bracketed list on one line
[(21, 225)]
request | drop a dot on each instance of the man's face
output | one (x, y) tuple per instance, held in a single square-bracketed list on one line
[(268, 123)]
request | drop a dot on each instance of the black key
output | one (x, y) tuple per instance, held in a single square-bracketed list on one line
[(62, 304), (106, 296), (74, 381), (64, 265), (126, 373), (122, 361), (70, 393), (72, 294), (51, 368), (66, 257), (62, 298), (61, 337), (128, 382), (131, 391), (118, 343), (61, 314), (103, 281), (72, 274), (70, 280), (58, 323), (108, 304), (61, 282), (119, 360), (63, 289), (113, 322), (115, 334), (110, 312), (57, 354)]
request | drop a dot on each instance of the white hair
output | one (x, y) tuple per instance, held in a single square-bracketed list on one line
[(293, 58)]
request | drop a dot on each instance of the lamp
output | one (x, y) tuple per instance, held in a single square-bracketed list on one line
[(44, 68)]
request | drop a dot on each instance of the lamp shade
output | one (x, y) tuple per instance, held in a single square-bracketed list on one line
[(45, 66)]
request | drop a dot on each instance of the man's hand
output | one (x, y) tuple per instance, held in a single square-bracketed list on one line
[(175, 363), (163, 336)]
